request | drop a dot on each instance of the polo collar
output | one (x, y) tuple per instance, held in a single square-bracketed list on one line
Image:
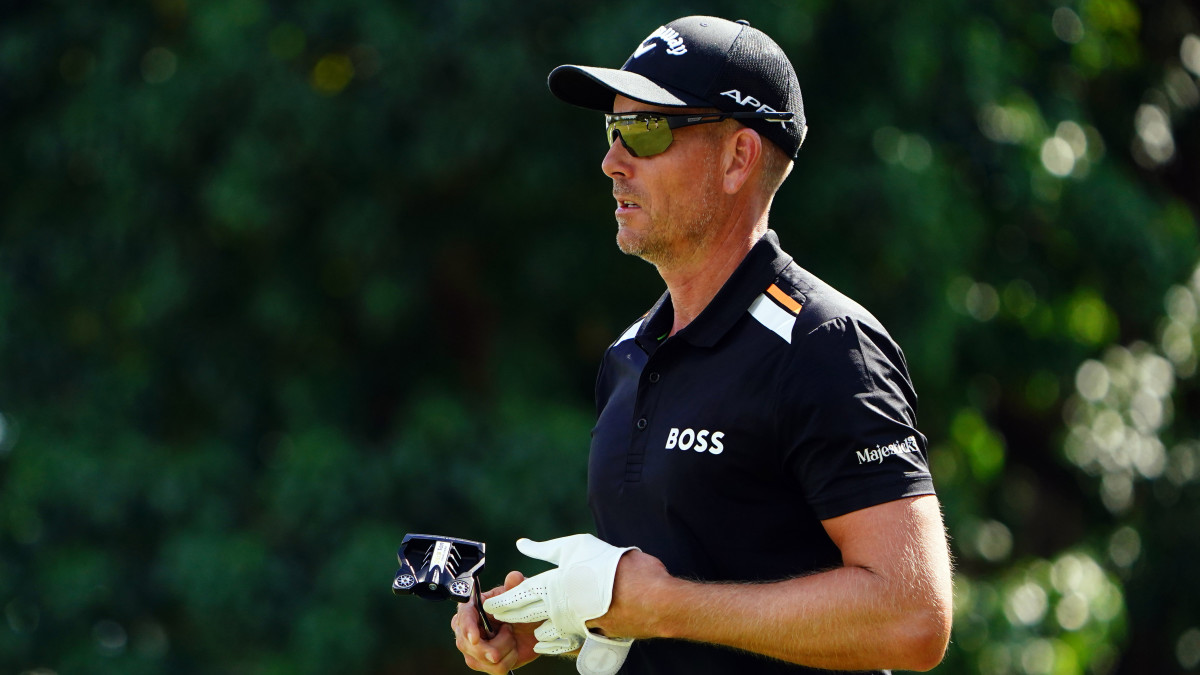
[(758, 269)]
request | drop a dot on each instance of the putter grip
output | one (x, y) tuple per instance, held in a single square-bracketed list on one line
[(477, 600)]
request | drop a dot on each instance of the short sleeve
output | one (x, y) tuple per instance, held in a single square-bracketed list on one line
[(848, 420)]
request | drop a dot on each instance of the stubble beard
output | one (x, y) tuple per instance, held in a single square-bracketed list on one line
[(665, 244), (661, 246)]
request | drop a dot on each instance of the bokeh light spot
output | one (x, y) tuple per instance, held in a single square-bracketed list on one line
[(993, 541), (1006, 124), (1183, 464), (1020, 298), (982, 301), (1068, 27), (1057, 156), (911, 151), (1156, 376), (1089, 320), (1181, 305), (1116, 492), (1026, 604), (1072, 612), (1189, 53), (110, 637), (1178, 345), (1155, 144), (956, 293), (1037, 657), (1125, 547), (1067, 574), (332, 74), (1187, 649), (1092, 380), (983, 448), (1181, 88), (1075, 136)]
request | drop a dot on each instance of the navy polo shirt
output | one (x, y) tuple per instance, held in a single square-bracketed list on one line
[(721, 449)]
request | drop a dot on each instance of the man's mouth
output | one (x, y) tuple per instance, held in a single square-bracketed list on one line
[(624, 203)]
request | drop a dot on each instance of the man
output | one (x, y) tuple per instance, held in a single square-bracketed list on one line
[(756, 476)]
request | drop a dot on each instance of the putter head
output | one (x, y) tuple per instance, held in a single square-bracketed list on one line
[(434, 567)]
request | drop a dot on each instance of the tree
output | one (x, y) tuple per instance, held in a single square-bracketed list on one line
[(283, 283)]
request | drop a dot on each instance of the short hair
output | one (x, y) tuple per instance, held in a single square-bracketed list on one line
[(774, 162), (776, 167)]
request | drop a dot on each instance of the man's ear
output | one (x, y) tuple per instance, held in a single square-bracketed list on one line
[(744, 149)]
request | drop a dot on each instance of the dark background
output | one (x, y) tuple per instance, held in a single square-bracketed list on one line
[(281, 282)]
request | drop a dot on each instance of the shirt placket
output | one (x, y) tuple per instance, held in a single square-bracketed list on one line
[(645, 408)]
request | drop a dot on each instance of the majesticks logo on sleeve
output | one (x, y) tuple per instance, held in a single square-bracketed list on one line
[(882, 452)]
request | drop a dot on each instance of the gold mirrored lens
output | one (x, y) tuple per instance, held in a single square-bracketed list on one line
[(644, 135)]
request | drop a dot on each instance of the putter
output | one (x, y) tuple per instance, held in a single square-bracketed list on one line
[(434, 567)]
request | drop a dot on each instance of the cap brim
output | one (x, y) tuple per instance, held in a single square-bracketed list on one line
[(594, 88)]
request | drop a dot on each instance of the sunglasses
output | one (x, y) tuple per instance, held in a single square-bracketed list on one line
[(645, 134)]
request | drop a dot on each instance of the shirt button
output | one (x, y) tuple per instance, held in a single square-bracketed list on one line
[(654, 377), (641, 424)]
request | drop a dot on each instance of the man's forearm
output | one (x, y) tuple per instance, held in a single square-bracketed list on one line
[(889, 606), (845, 619)]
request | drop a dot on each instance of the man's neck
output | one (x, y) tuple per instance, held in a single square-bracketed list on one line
[(695, 282)]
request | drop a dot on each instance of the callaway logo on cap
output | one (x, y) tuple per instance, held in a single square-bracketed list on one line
[(675, 44), (698, 62)]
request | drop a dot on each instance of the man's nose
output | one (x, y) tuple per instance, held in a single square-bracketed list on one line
[(617, 160)]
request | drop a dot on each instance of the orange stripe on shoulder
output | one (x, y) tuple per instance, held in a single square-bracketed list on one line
[(784, 299)]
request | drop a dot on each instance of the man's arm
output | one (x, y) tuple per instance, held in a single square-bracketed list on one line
[(888, 606)]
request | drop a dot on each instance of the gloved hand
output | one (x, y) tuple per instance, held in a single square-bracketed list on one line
[(566, 598)]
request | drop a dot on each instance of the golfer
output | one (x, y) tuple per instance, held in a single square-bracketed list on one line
[(761, 493)]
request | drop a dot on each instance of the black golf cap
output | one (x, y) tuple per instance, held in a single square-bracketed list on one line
[(698, 62)]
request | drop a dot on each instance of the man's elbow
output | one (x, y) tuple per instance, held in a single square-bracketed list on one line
[(926, 653), (923, 639)]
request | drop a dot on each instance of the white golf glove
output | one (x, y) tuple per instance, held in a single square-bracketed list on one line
[(566, 598)]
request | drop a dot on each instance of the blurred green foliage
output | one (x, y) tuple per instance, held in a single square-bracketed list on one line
[(282, 282)]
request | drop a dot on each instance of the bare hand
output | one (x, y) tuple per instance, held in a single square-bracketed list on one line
[(510, 648), (630, 615)]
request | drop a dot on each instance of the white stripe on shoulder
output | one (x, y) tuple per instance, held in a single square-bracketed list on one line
[(773, 316), (629, 332)]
